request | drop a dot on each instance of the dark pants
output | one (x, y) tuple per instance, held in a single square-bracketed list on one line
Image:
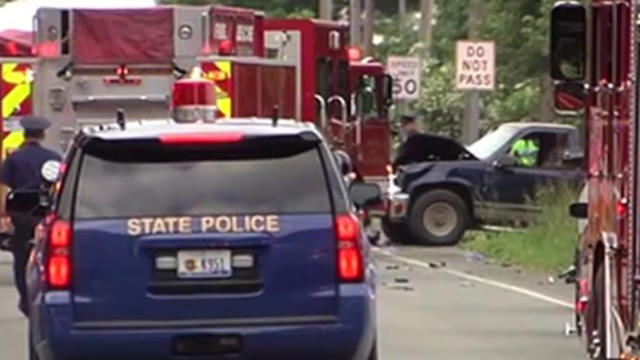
[(20, 247)]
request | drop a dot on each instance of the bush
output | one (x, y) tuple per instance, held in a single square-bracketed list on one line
[(548, 244)]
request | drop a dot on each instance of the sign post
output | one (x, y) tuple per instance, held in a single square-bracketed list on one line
[(476, 71)]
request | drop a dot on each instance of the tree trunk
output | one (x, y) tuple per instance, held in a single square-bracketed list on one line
[(546, 110), (369, 21), (355, 19), (426, 26), (325, 9)]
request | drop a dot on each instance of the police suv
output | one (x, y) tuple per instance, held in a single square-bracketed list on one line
[(235, 239)]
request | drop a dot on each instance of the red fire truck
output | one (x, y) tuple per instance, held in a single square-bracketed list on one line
[(90, 63), (594, 46)]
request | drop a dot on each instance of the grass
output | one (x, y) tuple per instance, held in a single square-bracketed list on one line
[(548, 244)]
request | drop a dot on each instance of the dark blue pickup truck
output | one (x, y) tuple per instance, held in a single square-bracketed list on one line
[(452, 188)]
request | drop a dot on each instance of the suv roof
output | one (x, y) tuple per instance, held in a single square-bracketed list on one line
[(154, 128)]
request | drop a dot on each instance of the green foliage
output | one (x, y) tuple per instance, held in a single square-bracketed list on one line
[(548, 244), (520, 30)]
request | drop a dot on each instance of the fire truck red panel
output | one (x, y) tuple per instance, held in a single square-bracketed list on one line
[(123, 36), (258, 88)]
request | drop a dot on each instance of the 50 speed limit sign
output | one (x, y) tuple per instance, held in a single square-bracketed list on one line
[(405, 72)]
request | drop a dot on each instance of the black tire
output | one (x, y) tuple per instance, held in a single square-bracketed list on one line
[(439, 217), (396, 232), (374, 352), (596, 317), (33, 355)]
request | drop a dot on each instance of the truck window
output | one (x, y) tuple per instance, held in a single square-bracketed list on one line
[(364, 97), (289, 179), (543, 150)]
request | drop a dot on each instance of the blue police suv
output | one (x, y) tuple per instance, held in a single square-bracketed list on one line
[(233, 240)]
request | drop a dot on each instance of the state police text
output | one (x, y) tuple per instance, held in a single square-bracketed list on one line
[(204, 224)]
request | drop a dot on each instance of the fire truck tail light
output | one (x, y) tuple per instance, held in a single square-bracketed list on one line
[(350, 259), (354, 53), (201, 138), (59, 258)]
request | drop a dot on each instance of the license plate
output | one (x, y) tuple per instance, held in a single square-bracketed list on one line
[(204, 264)]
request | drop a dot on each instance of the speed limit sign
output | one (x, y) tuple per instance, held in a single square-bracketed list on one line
[(405, 72)]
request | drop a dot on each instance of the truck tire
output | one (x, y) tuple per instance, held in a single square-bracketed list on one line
[(396, 232), (374, 352), (597, 315), (439, 217)]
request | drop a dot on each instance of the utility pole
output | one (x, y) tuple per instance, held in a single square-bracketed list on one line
[(426, 26), (471, 125), (369, 22), (355, 16), (325, 9), (402, 8)]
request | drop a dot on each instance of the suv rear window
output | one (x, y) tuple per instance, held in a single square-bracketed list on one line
[(119, 180)]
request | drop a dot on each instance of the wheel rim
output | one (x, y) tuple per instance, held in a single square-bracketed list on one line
[(440, 219)]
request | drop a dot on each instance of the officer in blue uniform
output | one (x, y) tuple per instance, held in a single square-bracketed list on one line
[(21, 171)]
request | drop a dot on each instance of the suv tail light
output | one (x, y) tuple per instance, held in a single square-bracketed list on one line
[(59, 260), (350, 259)]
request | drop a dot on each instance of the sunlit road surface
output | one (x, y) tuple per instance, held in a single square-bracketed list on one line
[(427, 312)]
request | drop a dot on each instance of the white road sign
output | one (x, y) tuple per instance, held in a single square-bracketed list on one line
[(405, 72), (476, 65)]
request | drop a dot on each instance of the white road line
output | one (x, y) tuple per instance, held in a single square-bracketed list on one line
[(490, 282)]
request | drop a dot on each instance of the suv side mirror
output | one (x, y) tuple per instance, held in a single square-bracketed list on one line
[(579, 210), (506, 161), (364, 194), (568, 41), (50, 171)]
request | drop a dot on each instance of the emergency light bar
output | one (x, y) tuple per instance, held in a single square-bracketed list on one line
[(194, 100)]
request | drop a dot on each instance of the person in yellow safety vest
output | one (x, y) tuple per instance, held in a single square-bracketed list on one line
[(526, 150)]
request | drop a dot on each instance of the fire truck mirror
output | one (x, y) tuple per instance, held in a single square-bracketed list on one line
[(579, 210), (568, 42), (387, 89)]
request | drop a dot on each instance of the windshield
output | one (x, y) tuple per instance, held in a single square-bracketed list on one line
[(488, 145), (167, 181)]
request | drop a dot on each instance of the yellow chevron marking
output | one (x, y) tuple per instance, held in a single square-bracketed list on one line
[(20, 92)]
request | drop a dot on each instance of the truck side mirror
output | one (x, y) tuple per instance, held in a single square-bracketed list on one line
[(568, 41), (579, 210), (387, 84), (506, 161)]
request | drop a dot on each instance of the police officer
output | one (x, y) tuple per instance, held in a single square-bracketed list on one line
[(409, 151), (21, 171)]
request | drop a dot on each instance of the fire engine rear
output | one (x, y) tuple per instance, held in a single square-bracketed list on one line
[(89, 63)]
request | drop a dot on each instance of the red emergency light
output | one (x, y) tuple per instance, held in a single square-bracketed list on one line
[(122, 77), (354, 53), (194, 100)]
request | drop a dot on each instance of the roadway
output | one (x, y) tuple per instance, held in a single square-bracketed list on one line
[(440, 305)]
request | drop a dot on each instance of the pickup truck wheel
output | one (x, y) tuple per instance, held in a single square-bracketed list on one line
[(439, 217)]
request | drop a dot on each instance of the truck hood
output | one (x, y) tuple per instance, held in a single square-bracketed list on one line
[(427, 148)]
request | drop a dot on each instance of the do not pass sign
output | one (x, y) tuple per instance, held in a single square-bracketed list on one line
[(476, 65), (405, 72)]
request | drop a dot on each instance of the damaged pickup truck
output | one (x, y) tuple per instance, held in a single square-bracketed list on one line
[(450, 188)]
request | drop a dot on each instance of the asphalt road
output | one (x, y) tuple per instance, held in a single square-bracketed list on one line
[(442, 305)]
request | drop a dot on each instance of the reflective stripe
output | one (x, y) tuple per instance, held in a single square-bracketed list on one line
[(221, 73), (12, 142), (21, 80)]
